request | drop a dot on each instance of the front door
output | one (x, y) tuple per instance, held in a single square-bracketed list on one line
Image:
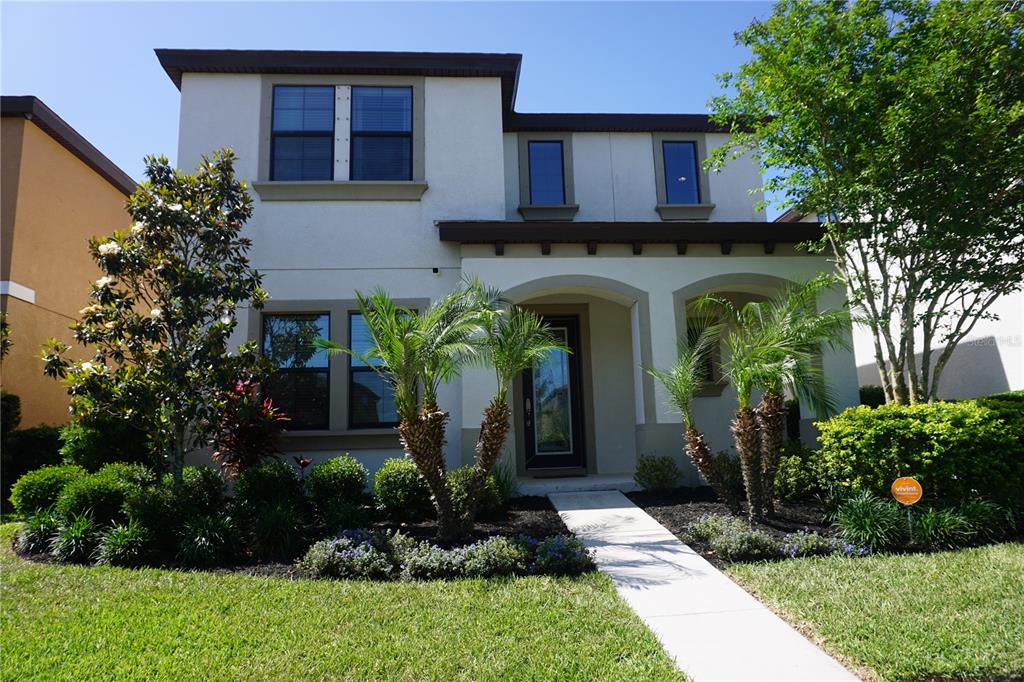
[(553, 405)]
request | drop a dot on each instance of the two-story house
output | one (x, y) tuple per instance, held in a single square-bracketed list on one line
[(409, 170)]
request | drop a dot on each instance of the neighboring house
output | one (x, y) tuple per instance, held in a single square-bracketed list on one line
[(408, 171), (58, 190), (989, 360)]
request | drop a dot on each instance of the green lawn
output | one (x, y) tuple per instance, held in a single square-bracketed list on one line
[(80, 623), (952, 615)]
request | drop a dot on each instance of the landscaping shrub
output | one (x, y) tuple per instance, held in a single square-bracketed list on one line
[(425, 561), (941, 529), (128, 545), (75, 539), (92, 445), (277, 532), (657, 473), (207, 540), (495, 556), (201, 490), (872, 396), (953, 449), (335, 484), (400, 491), (101, 495), (159, 511), (352, 554), (136, 475), (728, 475), (506, 479), (745, 545), (796, 477), (247, 431), (804, 543), (561, 555), (706, 528), (988, 521), (26, 450), (36, 533), (10, 412), (40, 489), (490, 497), (867, 521), (266, 484)]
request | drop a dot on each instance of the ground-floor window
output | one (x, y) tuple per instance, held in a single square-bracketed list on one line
[(301, 385), (371, 401)]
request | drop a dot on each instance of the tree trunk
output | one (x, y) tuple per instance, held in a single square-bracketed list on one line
[(493, 431), (745, 431), (423, 440), (771, 416), (700, 452)]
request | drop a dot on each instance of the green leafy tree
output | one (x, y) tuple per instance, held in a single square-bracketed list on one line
[(164, 308), (5, 336), (773, 346), (901, 123)]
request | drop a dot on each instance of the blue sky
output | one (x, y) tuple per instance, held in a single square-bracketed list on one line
[(93, 63)]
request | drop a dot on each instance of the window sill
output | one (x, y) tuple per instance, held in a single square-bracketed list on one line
[(550, 212), (684, 211), (346, 190), (339, 440), (322, 433)]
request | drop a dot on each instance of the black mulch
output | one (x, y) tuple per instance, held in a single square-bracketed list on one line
[(678, 509)]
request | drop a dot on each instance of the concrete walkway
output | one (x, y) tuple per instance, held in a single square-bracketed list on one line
[(712, 627)]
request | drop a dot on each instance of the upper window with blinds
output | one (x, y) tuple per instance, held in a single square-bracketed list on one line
[(302, 133), (381, 134)]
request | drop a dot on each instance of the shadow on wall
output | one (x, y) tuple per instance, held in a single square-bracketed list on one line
[(974, 370)]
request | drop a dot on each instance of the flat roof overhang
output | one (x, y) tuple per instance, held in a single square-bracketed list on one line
[(681, 234)]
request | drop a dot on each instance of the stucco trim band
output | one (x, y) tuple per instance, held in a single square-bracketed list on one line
[(20, 291), (347, 190)]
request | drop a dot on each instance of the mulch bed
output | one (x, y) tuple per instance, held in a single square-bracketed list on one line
[(678, 509), (524, 516)]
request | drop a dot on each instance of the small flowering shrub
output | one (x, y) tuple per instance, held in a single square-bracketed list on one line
[(804, 543), (746, 545), (706, 528), (380, 556), (561, 555)]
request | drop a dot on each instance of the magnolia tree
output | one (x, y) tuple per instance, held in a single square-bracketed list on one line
[(164, 308), (901, 123)]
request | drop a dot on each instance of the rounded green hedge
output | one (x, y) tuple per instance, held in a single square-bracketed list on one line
[(39, 489), (337, 480), (956, 450), (400, 491)]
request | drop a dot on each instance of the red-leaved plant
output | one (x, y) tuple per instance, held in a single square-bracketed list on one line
[(248, 429)]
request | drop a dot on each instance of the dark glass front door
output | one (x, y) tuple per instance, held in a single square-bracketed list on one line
[(552, 403)]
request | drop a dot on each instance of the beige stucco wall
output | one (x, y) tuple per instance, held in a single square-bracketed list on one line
[(52, 204)]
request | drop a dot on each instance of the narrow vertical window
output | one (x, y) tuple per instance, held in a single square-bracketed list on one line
[(302, 133), (547, 182), (381, 134), (682, 185), (371, 400), (300, 386)]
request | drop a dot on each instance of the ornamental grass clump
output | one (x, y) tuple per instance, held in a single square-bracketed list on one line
[(34, 536), (867, 521), (74, 540), (128, 545)]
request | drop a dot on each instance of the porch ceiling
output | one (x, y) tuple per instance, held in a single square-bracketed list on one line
[(545, 233)]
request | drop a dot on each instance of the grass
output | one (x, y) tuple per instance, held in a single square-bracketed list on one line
[(79, 623), (949, 615)]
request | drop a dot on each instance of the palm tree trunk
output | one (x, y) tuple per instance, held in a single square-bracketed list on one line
[(745, 431), (700, 452), (771, 416), (423, 440), (493, 431)]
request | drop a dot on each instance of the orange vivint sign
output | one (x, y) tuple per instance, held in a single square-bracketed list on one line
[(906, 490)]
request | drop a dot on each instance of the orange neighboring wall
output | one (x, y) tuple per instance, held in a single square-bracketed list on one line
[(57, 191)]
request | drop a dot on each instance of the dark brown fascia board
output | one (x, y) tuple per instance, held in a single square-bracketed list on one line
[(790, 216), (33, 109), (611, 123), (466, 64), (512, 232)]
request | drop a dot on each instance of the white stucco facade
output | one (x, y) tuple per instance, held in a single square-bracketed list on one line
[(629, 298)]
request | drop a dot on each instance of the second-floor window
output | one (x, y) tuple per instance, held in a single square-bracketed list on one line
[(682, 184), (547, 184), (381, 134), (302, 137)]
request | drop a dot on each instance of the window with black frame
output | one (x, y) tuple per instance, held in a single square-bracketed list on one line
[(301, 385), (381, 134), (682, 184), (371, 400), (547, 181), (302, 133)]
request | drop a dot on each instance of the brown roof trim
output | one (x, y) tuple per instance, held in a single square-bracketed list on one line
[(33, 109), (791, 216), (512, 232), (469, 64), (612, 123)]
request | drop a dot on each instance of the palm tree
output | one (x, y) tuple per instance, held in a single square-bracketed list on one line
[(415, 352), (772, 347), (682, 382), (513, 341)]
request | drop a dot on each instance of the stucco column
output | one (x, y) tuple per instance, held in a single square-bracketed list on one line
[(663, 350), (838, 365)]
